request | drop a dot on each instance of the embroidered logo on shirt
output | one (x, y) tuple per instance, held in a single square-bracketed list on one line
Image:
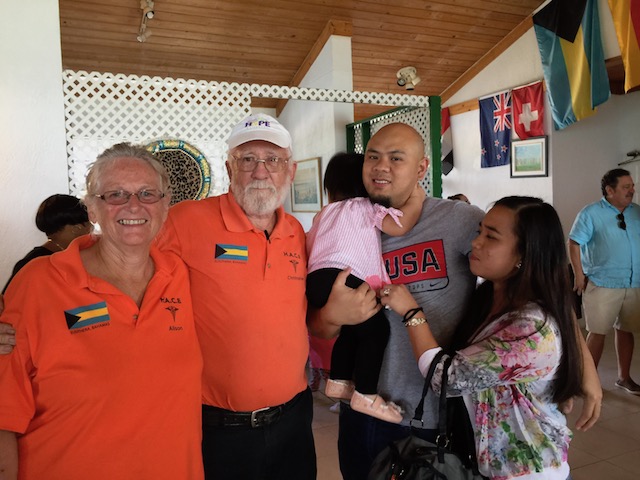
[(422, 267), (172, 309), (87, 315), (238, 253)]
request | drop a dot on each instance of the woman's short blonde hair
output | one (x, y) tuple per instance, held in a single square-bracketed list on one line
[(118, 151)]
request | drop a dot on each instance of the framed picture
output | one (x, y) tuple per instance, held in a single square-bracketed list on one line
[(306, 193), (529, 157)]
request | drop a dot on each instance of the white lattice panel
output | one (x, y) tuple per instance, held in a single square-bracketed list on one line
[(358, 141), (344, 96), (102, 109)]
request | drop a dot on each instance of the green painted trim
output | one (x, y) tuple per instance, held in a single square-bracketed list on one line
[(435, 120), (366, 135)]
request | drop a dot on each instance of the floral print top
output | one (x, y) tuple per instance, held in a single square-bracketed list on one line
[(507, 375)]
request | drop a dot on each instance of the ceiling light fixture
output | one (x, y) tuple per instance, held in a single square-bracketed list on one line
[(143, 35), (147, 8), (147, 14), (408, 78)]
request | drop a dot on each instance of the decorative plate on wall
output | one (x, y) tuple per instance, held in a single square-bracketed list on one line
[(188, 169)]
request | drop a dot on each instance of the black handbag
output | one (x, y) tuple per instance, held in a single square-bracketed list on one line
[(413, 458)]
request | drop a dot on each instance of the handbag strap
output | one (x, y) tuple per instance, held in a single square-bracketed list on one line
[(417, 417), (442, 440), (442, 404), (442, 401)]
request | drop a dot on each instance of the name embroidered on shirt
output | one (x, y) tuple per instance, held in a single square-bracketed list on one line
[(238, 253), (87, 315)]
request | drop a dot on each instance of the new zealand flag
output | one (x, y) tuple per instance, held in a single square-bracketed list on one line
[(495, 130)]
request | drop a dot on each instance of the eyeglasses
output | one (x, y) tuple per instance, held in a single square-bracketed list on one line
[(248, 163), (621, 223), (120, 197)]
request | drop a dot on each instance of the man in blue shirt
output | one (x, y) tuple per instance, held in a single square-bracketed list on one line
[(604, 248)]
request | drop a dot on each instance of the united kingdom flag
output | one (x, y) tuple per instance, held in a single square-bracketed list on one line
[(495, 129)]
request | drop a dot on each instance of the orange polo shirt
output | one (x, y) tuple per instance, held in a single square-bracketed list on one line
[(248, 300), (99, 388)]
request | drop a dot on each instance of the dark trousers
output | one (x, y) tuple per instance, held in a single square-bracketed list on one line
[(362, 437), (358, 352), (283, 449)]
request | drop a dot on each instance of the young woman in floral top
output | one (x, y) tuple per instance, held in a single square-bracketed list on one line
[(517, 354)]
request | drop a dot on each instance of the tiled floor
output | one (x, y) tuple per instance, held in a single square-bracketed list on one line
[(608, 451)]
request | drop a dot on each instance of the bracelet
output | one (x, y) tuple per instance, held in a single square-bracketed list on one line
[(411, 313), (415, 321)]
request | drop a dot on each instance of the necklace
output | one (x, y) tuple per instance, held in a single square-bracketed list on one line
[(57, 245)]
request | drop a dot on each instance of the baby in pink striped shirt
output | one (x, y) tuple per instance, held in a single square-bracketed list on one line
[(346, 233)]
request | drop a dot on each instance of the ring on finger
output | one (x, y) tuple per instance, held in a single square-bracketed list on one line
[(386, 291)]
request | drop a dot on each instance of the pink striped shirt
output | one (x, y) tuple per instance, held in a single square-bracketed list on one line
[(347, 234)]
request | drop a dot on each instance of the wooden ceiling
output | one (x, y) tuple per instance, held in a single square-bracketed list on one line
[(268, 41)]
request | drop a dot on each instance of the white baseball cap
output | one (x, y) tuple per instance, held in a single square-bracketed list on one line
[(259, 127)]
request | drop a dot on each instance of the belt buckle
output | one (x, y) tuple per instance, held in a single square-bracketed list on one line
[(254, 416)]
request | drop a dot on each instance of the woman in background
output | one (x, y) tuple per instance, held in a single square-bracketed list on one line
[(62, 218)]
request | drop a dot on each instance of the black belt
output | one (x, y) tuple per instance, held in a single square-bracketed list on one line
[(219, 417)]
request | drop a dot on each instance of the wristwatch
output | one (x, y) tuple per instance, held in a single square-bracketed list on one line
[(415, 321)]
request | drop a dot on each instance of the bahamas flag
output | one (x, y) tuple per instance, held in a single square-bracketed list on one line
[(238, 253), (86, 315), (626, 19), (568, 34)]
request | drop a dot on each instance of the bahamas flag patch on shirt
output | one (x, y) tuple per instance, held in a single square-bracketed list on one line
[(239, 253), (87, 315)]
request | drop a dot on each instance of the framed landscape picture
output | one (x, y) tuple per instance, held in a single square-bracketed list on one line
[(529, 158), (306, 190)]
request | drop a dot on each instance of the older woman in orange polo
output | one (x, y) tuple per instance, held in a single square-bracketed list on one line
[(104, 381)]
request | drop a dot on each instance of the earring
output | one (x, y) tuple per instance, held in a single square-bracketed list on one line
[(518, 265)]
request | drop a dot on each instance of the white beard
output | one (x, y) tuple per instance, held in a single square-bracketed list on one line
[(260, 197)]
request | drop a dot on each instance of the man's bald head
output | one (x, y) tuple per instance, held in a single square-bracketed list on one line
[(394, 162)]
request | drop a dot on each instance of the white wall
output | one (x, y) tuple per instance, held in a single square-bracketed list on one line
[(318, 128), (584, 151), (33, 164), (518, 65)]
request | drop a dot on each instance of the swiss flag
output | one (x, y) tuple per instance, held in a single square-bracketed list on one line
[(528, 110)]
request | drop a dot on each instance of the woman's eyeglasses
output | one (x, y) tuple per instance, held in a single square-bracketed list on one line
[(120, 197), (621, 223)]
